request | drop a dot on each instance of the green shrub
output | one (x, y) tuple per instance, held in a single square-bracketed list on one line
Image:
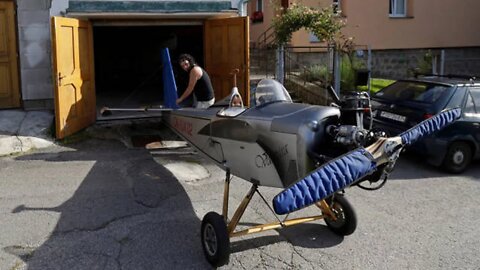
[(348, 72), (323, 23), (425, 64), (316, 73)]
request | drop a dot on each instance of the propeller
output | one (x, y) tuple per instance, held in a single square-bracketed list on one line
[(351, 167)]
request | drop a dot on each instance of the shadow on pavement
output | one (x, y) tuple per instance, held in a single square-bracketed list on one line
[(308, 235), (128, 213)]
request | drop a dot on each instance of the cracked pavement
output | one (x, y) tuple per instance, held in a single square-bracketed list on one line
[(21, 131), (102, 204)]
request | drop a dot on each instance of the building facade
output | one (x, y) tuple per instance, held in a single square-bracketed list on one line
[(401, 33), (28, 76)]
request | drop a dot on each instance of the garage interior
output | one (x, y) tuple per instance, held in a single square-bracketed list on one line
[(128, 64)]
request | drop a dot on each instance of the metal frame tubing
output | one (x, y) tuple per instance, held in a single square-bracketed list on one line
[(269, 226)]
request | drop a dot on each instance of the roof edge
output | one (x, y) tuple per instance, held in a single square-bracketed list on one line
[(148, 7)]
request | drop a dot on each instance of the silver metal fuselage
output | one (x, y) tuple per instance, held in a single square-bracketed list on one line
[(266, 145)]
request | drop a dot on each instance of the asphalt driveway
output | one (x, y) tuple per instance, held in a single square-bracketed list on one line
[(98, 204)]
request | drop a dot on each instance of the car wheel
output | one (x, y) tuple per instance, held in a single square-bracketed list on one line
[(346, 219), (215, 239), (458, 157)]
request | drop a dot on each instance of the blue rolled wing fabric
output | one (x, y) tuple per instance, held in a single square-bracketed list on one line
[(324, 181), (430, 125), (169, 85)]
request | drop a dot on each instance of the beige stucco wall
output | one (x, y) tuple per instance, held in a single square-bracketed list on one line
[(430, 24), (257, 29)]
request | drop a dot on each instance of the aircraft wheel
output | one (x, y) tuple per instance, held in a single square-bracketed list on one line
[(215, 239), (346, 221)]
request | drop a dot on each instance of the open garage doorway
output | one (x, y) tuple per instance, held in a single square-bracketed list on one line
[(128, 64), (116, 63)]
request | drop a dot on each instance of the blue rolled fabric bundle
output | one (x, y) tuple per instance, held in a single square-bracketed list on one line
[(324, 181), (430, 125), (347, 169)]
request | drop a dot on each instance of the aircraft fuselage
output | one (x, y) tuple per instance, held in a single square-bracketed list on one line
[(267, 145)]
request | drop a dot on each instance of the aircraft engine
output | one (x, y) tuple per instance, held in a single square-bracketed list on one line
[(348, 135)]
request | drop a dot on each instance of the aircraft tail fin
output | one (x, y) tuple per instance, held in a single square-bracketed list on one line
[(169, 85)]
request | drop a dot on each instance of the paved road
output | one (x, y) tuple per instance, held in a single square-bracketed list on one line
[(97, 204)]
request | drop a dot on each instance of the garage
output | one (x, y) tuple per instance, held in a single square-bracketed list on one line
[(104, 61), (128, 64)]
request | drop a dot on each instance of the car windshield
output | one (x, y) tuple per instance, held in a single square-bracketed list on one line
[(413, 91), (269, 91)]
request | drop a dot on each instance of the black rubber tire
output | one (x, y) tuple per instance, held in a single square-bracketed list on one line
[(458, 157), (346, 222), (215, 239)]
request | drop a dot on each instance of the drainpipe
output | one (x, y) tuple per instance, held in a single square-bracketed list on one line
[(241, 10), (369, 67), (434, 64), (336, 70), (442, 61)]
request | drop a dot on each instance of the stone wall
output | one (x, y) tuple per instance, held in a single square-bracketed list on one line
[(306, 92), (395, 64), (465, 61), (34, 52), (298, 59)]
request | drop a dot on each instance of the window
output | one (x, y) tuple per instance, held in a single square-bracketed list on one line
[(476, 96), (469, 106), (257, 16), (398, 8), (259, 5), (337, 8), (473, 102), (414, 92)]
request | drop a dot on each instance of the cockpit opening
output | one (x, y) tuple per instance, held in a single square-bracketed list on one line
[(270, 91)]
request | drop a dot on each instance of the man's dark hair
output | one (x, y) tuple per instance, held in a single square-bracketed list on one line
[(188, 57)]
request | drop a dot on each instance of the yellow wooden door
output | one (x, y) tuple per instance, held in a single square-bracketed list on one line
[(9, 83), (72, 49), (226, 48)]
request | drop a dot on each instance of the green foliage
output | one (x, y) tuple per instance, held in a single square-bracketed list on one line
[(425, 64), (316, 73), (323, 23), (348, 72)]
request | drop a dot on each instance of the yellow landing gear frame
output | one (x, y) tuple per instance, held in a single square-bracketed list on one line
[(216, 230)]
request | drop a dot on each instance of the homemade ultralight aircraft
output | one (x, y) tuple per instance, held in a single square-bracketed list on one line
[(308, 151)]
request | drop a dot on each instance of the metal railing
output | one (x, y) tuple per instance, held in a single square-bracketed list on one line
[(302, 69), (266, 39)]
